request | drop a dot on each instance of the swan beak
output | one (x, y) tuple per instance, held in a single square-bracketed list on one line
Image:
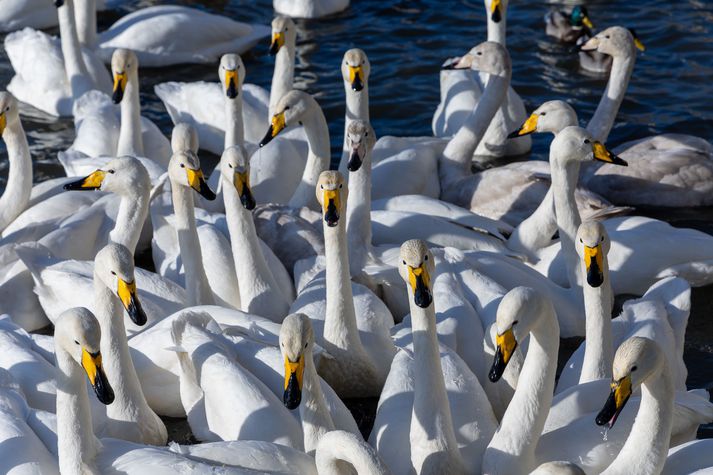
[(527, 128), (196, 180), (278, 41), (603, 155), (331, 207), (119, 87), (355, 160), (91, 182), (58, 3), (276, 126), (591, 45), (3, 123), (593, 257), (506, 345), (231, 84), (587, 22), (92, 364), (293, 382), (241, 180), (620, 393), (496, 11), (130, 300), (356, 78), (420, 283)]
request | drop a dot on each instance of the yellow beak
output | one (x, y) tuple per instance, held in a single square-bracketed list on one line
[(91, 182), (506, 343), (129, 298), (603, 155), (297, 369), (622, 391), (278, 41), (494, 5), (639, 44), (278, 123), (528, 127), (119, 87), (356, 77), (587, 22), (331, 205), (3, 123), (91, 364), (231, 83), (593, 255)]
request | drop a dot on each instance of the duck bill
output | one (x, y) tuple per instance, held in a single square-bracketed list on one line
[(242, 184), (277, 124), (528, 127), (3, 123), (356, 78), (587, 22), (278, 41), (294, 373), (593, 263), (355, 160), (505, 347), (420, 282), (197, 181), (231, 84), (620, 394), (496, 11), (331, 207), (90, 182), (129, 298), (119, 87), (92, 364), (637, 42), (603, 155)]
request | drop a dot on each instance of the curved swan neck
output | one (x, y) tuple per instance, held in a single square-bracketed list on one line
[(564, 182), (603, 119), (197, 287), (85, 12), (458, 154), (646, 448), (16, 196), (359, 216), (341, 453), (314, 414), (598, 347), (130, 138), (234, 132), (536, 231), (133, 209), (283, 76), (357, 109), (315, 127), (74, 66)]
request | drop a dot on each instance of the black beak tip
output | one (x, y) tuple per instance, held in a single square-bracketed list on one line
[(354, 163), (267, 138), (423, 299), (495, 374), (207, 193), (618, 161), (496, 17), (231, 91), (103, 389), (248, 201), (595, 280), (273, 49), (58, 3), (117, 96), (137, 315), (514, 135)]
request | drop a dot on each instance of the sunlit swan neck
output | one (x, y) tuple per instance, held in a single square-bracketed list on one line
[(85, 12), (314, 414), (359, 215), (19, 179), (315, 126), (197, 287), (75, 69), (284, 74), (357, 109), (564, 184), (536, 231), (598, 347), (130, 139), (234, 131), (133, 209), (339, 450), (603, 120), (497, 31)]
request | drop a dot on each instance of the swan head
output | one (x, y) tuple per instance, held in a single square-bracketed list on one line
[(232, 74), (575, 144), (124, 176), (235, 168), (635, 360), (496, 9), (616, 41), (296, 344), (592, 243), (290, 110), (114, 267), (356, 69), (332, 196), (78, 334), (519, 311), (416, 268), (124, 65), (184, 169), (552, 116), (360, 140), (184, 137), (284, 33), (9, 113), (488, 57)]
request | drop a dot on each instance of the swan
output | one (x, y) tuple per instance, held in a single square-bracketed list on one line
[(692, 457), (462, 90), (37, 14), (355, 68), (430, 393), (51, 77), (568, 27), (16, 196), (309, 8)]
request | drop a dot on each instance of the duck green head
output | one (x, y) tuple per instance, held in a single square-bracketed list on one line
[(580, 16)]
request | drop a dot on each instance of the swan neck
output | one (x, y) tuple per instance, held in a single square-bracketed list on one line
[(315, 417), (564, 182), (234, 132), (359, 216), (315, 127), (603, 119), (17, 193), (357, 109), (497, 31), (85, 12), (598, 347), (133, 209), (340, 456), (536, 231), (74, 66), (130, 138), (283, 76)]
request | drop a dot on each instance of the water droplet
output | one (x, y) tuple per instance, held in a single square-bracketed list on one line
[(605, 433)]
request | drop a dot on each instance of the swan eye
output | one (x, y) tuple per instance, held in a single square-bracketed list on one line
[(602, 239), (183, 166), (7, 108), (341, 186), (586, 141), (634, 368), (111, 171), (543, 113), (113, 273), (607, 37), (479, 53), (321, 187), (425, 258), (366, 134), (230, 165), (76, 342), (580, 240), (404, 261), (306, 344), (287, 108)]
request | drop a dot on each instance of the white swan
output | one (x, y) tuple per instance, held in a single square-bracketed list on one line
[(309, 8), (462, 90), (50, 77), (37, 14), (16, 196)]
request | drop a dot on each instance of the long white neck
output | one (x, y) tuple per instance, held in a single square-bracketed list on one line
[(357, 109), (564, 184), (497, 31), (598, 347), (76, 444), (130, 139), (259, 292), (432, 433), (85, 12), (315, 126), (283, 76), (19, 179), (455, 162), (234, 132), (536, 231), (197, 286), (513, 445), (314, 414), (75, 69), (646, 448), (603, 119), (133, 209), (359, 216), (341, 452)]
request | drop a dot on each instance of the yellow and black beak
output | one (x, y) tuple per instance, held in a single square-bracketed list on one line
[(637, 42), (130, 300), (196, 180), (293, 382), (355, 159), (241, 180), (356, 77), (330, 207), (603, 155), (506, 345), (119, 87), (90, 182), (276, 126), (527, 128), (593, 262), (231, 83), (92, 364), (420, 282), (620, 393), (3, 123), (587, 22), (278, 41), (496, 13)]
